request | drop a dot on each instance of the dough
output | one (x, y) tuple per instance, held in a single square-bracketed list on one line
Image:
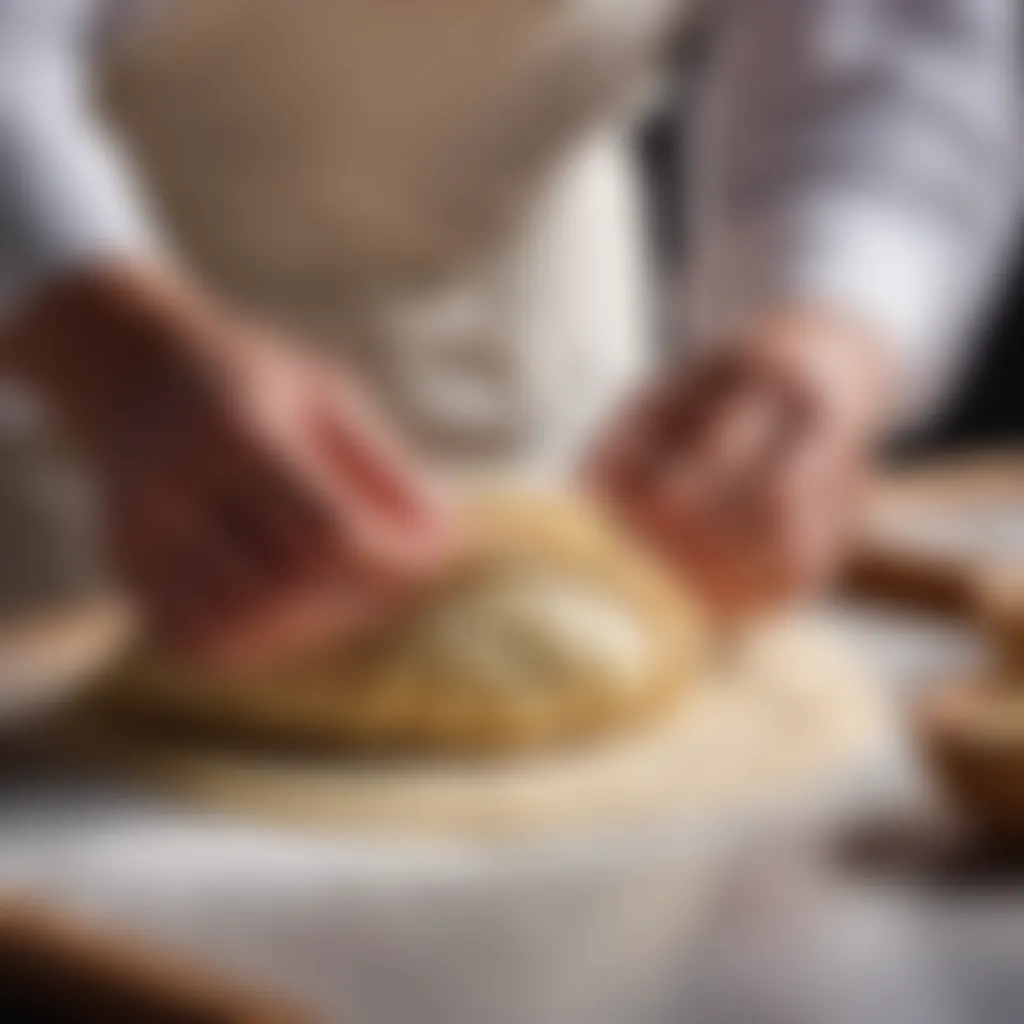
[(553, 627), (784, 720)]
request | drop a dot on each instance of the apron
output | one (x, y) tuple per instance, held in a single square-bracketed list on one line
[(439, 192)]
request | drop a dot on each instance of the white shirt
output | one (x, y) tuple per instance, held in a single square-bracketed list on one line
[(865, 153), (860, 152)]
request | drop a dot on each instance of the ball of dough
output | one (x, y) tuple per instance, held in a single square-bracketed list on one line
[(552, 627)]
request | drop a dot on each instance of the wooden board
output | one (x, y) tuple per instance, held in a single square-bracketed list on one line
[(937, 530), (48, 656), (58, 969)]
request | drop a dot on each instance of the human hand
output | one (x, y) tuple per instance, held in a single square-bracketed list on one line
[(255, 503), (744, 469)]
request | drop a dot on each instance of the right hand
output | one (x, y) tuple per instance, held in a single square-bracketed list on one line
[(745, 470), (255, 504)]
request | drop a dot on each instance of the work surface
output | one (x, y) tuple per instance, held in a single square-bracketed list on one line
[(389, 936)]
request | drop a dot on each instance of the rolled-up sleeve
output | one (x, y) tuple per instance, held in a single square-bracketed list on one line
[(66, 195), (863, 154)]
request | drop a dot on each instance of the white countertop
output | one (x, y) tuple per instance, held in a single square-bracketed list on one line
[(389, 935)]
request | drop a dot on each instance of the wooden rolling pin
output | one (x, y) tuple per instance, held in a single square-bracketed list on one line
[(999, 603), (923, 581), (973, 728), (901, 559), (59, 970)]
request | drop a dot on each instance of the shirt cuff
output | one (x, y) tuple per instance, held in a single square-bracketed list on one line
[(903, 277), (66, 202)]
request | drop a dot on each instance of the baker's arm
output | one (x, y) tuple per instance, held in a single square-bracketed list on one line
[(67, 198), (254, 502), (856, 176), (859, 155)]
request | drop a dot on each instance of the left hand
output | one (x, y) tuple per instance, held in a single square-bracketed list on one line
[(256, 503), (744, 469)]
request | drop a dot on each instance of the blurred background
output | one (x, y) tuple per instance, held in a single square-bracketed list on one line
[(987, 406)]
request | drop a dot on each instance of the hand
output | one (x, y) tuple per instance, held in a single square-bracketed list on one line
[(744, 469), (254, 502)]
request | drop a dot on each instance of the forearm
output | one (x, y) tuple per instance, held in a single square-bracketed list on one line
[(95, 346), (860, 158)]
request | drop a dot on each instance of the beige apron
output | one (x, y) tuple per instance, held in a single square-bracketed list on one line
[(438, 190)]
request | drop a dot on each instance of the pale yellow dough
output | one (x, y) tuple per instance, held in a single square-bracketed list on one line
[(785, 719), (554, 627), (555, 631)]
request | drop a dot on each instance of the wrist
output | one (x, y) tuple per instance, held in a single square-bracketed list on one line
[(839, 364), (88, 342)]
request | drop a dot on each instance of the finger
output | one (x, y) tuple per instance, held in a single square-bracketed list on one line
[(306, 585), (274, 524), (299, 626), (182, 606), (153, 504), (249, 501), (649, 431), (809, 511), (397, 546), (393, 553), (670, 443), (179, 525), (278, 526), (739, 436), (357, 442), (623, 461), (756, 446), (201, 589)]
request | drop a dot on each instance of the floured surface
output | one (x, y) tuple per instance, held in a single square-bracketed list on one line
[(790, 716), (434, 925)]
